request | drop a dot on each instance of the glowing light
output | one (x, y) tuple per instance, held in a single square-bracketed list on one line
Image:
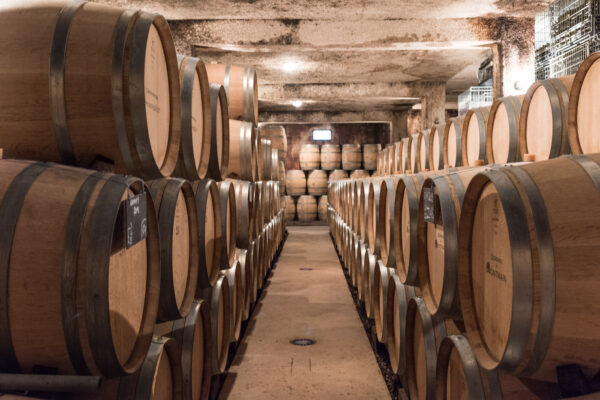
[(291, 66), (297, 103)]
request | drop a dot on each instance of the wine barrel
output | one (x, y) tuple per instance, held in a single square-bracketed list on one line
[(218, 163), (436, 147), (373, 219), (423, 152), (423, 335), (175, 205), (306, 209), (368, 284), (537, 235), (502, 142), (452, 150), (406, 213), (337, 175), (380, 290), (359, 174), (236, 295), (242, 157), (276, 134), (331, 157), (310, 157), (363, 210), (194, 152), (397, 161), (244, 196), (64, 247), (385, 225), (193, 336), (208, 208), (274, 165), (241, 87), (583, 117), (413, 151), (458, 376), (118, 105), (228, 222), (317, 182), (244, 257), (265, 151), (351, 157), (474, 134), (295, 182), (260, 191), (282, 177), (544, 119), (256, 260), (392, 159), (370, 152), (322, 208), (160, 377), (397, 299), (362, 267), (354, 208), (437, 230), (220, 323)]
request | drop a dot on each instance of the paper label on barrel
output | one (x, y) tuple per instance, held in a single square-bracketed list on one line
[(431, 206), (136, 223)]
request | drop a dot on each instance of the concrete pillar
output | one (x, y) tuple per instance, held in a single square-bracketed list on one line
[(399, 125), (433, 103)]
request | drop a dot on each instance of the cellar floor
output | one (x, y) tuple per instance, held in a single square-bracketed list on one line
[(307, 297)]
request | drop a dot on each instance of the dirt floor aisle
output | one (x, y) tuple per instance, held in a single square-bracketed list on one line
[(307, 298)]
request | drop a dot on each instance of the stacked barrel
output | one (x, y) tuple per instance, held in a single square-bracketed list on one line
[(139, 211), (478, 277), (320, 165)]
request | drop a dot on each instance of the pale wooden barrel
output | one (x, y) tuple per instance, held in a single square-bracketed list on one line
[(436, 147), (193, 335), (337, 175), (228, 222), (177, 221), (208, 208), (235, 282), (405, 155), (218, 163), (503, 130), (331, 157), (544, 121), (452, 150), (295, 182), (370, 152), (474, 135), (265, 147), (458, 376), (282, 181), (441, 199), (397, 160), (306, 208), (220, 323), (274, 165), (48, 215), (195, 119), (242, 156), (359, 174), (373, 220), (310, 157), (583, 105), (322, 208), (537, 236), (290, 208), (118, 105), (160, 376), (276, 134), (245, 197), (380, 290), (351, 157), (413, 152), (245, 258), (241, 86), (423, 152), (385, 161), (385, 225), (363, 210), (317, 182), (391, 158)]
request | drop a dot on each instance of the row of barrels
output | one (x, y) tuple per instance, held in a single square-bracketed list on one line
[(315, 182), (306, 208), (141, 110), (96, 264), (498, 257), (329, 157), (555, 117)]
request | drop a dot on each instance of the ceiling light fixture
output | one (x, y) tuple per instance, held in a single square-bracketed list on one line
[(297, 103), (291, 66)]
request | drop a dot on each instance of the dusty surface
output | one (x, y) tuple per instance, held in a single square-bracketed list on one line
[(311, 304)]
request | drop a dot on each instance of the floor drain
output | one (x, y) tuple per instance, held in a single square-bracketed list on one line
[(302, 342), (305, 269)]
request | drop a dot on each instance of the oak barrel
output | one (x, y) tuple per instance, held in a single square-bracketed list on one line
[(359, 174), (118, 105), (331, 157), (306, 209), (295, 182), (317, 182), (241, 87), (452, 150), (244, 197), (370, 152), (220, 323), (177, 223), (502, 142), (75, 297), (337, 175), (194, 152), (436, 147), (475, 126), (583, 105), (235, 281), (290, 208), (351, 157), (423, 151), (310, 157), (244, 257), (218, 163), (274, 165), (228, 222), (380, 291), (242, 156), (276, 134), (413, 151), (322, 208), (266, 156)]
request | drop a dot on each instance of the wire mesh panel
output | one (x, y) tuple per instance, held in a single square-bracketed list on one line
[(473, 97), (569, 60)]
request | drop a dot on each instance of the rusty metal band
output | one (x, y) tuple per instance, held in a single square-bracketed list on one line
[(116, 84), (547, 274), (70, 313), (56, 75), (10, 209)]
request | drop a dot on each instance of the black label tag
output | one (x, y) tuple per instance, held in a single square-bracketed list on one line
[(429, 213), (136, 224)]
